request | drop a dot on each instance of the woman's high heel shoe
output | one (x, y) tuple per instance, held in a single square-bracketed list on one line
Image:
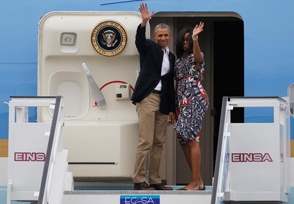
[(199, 188)]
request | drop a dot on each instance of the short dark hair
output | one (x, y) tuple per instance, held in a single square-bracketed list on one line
[(180, 40)]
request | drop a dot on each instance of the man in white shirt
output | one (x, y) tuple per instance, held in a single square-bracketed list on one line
[(154, 97)]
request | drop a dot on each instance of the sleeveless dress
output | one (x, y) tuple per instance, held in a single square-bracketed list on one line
[(191, 100)]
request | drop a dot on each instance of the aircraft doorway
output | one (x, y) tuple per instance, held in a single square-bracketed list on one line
[(222, 43)]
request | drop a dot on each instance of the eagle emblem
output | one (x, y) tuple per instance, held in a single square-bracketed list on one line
[(109, 38)]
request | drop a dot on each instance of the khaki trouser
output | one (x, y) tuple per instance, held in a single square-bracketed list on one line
[(152, 127)]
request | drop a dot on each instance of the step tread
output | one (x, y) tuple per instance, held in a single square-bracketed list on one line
[(104, 192)]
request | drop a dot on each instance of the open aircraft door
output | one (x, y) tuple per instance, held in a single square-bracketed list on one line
[(90, 59)]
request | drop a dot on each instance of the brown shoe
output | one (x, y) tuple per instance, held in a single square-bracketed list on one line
[(142, 186), (160, 186)]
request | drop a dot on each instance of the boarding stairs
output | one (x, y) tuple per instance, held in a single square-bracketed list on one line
[(252, 164)]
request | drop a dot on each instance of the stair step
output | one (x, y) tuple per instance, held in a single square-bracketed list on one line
[(102, 192), (131, 196)]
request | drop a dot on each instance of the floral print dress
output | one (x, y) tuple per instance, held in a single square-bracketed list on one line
[(191, 99)]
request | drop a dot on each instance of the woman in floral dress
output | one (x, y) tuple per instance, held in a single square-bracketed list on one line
[(191, 99)]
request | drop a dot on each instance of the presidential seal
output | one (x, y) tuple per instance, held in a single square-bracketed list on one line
[(109, 38)]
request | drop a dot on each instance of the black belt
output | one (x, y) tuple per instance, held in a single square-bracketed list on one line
[(156, 92)]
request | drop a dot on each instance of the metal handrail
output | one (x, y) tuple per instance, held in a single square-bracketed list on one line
[(219, 167), (50, 154)]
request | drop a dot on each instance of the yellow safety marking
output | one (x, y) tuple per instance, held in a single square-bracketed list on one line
[(292, 148), (3, 148)]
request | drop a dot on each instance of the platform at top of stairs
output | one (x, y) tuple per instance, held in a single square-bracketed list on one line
[(125, 195)]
